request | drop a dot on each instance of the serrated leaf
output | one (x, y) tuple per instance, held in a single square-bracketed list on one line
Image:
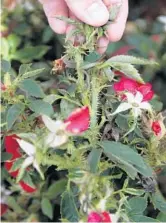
[(93, 159), (66, 107), (130, 60), (47, 208), (41, 107), (128, 69), (13, 113), (32, 88), (159, 201), (56, 189), (24, 68), (5, 156), (125, 155), (32, 73), (68, 207)]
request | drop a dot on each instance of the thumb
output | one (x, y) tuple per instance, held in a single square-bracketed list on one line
[(92, 12)]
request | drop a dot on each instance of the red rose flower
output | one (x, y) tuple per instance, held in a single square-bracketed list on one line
[(130, 85), (78, 120), (156, 127), (3, 208)]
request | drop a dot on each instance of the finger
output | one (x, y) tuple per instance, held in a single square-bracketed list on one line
[(116, 29), (53, 8), (92, 12), (102, 45)]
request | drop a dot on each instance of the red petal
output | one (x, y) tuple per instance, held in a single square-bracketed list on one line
[(94, 217), (78, 121), (3, 209), (126, 84), (106, 217), (146, 91), (26, 187), (12, 145)]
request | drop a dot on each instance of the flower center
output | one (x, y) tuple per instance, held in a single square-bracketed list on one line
[(135, 104)]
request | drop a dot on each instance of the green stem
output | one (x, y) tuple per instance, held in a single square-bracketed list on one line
[(95, 101)]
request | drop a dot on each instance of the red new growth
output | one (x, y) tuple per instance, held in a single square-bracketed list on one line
[(130, 85), (156, 127), (78, 120)]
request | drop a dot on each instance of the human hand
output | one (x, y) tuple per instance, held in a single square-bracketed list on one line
[(92, 12)]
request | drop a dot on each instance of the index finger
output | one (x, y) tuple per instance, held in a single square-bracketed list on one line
[(116, 29)]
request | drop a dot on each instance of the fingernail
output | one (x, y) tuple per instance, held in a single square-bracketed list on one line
[(97, 12)]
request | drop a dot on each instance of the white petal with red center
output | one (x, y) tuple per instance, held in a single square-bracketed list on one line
[(122, 107), (28, 148), (53, 126)]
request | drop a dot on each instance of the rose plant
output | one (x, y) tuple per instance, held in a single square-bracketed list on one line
[(99, 130)]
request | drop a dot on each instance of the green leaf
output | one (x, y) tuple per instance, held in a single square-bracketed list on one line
[(5, 156), (16, 165), (137, 205), (141, 218), (68, 207), (28, 180), (125, 155), (156, 104), (129, 70), (51, 98), (5, 47), (32, 88), (13, 113), (47, 208), (56, 189), (27, 54), (32, 73), (136, 192), (48, 34), (159, 201), (161, 217), (130, 60), (14, 41), (41, 107), (5, 66), (11, 202), (24, 68), (66, 107), (93, 159)]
